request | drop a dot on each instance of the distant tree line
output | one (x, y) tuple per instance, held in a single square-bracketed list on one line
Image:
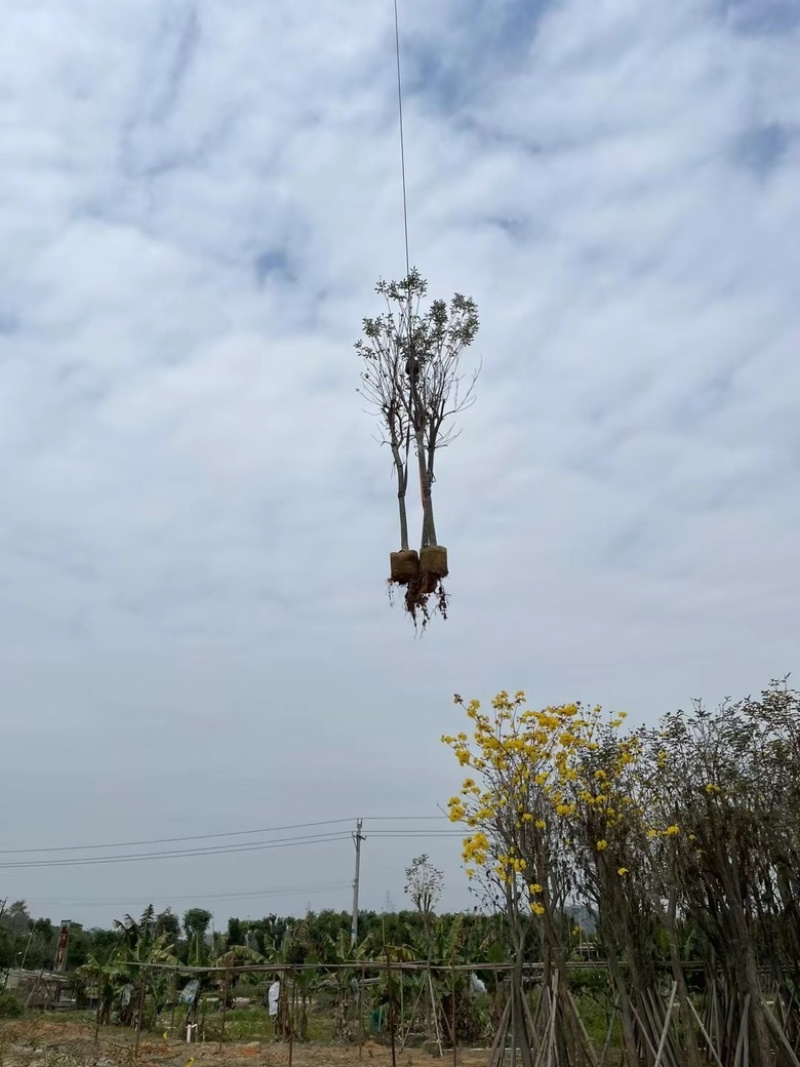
[(33, 941)]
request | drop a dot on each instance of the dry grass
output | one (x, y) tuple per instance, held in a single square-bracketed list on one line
[(47, 1042)]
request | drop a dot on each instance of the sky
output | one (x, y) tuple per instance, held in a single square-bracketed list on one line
[(197, 199)]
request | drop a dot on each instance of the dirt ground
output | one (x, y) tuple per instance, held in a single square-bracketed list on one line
[(46, 1042)]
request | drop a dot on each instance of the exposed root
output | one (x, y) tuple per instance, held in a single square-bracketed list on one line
[(424, 596)]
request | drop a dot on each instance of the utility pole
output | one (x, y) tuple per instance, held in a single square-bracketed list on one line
[(358, 837)]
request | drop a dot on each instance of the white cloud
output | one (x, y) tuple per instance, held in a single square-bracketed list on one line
[(195, 203)]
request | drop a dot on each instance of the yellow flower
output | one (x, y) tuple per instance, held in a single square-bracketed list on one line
[(602, 845), (537, 908), (540, 824), (622, 872), (671, 831), (535, 888), (711, 788)]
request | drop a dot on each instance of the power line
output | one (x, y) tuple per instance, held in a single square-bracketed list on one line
[(223, 850), (284, 891), (209, 837), (175, 840), (417, 833), (86, 861)]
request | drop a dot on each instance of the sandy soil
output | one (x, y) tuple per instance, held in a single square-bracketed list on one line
[(49, 1043)]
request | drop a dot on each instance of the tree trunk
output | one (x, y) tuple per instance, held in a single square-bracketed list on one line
[(426, 493), (625, 1009), (419, 419), (401, 469), (688, 1024), (747, 980)]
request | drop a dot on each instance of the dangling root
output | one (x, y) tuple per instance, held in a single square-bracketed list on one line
[(417, 598)]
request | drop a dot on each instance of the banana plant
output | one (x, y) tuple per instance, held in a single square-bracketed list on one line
[(143, 944), (346, 976), (296, 985)]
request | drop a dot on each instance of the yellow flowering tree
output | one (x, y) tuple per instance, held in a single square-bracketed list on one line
[(517, 806), (681, 838), (609, 840)]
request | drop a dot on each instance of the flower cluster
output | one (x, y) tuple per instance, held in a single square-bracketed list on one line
[(539, 771)]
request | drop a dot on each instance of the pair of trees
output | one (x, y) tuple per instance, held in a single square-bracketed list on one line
[(685, 834), (412, 380)]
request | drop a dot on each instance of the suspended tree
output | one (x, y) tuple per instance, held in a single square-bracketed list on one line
[(413, 381)]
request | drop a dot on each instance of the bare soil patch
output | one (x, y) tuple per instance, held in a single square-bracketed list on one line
[(47, 1042)]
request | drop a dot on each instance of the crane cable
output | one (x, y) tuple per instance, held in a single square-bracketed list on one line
[(405, 216), (402, 138)]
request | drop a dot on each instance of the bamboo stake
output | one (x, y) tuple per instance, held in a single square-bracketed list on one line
[(667, 1023), (453, 1019), (174, 1004), (500, 1035), (609, 1033), (672, 1053), (548, 1045), (588, 1050), (402, 1008), (780, 1035), (529, 1016), (712, 1048), (554, 1017), (644, 1031), (140, 1012), (225, 991), (405, 1030), (292, 1003), (435, 1011), (737, 1061), (391, 1006), (361, 1015)]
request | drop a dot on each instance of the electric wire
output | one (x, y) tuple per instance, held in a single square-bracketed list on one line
[(225, 833), (105, 902), (174, 840), (224, 850)]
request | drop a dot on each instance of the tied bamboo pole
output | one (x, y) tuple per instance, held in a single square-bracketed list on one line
[(453, 1013), (361, 1015), (225, 993), (391, 1006), (292, 1004), (140, 1012)]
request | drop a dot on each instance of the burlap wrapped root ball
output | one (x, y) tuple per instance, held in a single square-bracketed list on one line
[(404, 566), (432, 566)]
